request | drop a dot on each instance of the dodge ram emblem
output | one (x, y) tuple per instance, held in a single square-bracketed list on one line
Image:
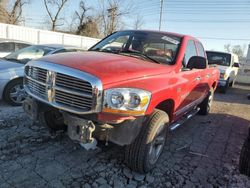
[(50, 85)]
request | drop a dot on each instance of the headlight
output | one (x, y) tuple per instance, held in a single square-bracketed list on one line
[(126, 101), (222, 75)]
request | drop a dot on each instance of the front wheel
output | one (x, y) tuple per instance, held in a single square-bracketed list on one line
[(143, 153), (14, 93), (223, 89), (232, 83), (244, 165), (53, 119)]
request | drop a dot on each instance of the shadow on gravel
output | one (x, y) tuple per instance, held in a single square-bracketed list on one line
[(3, 104), (205, 151), (208, 128)]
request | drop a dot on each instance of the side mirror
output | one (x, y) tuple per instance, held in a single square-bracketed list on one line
[(197, 62), (236, 65)]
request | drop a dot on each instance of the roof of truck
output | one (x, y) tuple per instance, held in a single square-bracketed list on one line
[(163, 32)]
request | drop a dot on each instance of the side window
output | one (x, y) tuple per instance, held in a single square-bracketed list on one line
[(201, 50), (7, 47), (190, 52), (21, 45)]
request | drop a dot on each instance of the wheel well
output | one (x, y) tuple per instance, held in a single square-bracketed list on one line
[(18, 78), (168, 107), (214, 85)]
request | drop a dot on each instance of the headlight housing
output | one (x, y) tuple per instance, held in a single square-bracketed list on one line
[(222, 75), (126, 101)]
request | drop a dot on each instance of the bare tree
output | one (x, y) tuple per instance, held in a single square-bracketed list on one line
[(83, 23), (57, 6), (237, 49), (13, 15), (138, 23), (227, 47), (111, 13)]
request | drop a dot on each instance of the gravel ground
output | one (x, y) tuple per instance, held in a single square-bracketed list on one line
[(203, 152)]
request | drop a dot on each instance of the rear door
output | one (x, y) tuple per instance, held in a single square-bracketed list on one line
[(205, 74)]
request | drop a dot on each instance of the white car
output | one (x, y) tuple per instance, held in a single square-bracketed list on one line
[(228, 64), (8, 46), (12, 69)]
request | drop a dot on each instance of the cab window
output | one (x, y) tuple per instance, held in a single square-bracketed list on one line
[(201, 50), (190, 52)]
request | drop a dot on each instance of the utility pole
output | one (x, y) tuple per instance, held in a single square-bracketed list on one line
[(160, 14)]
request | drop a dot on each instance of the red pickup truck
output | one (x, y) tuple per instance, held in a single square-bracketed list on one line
[(131, 88)]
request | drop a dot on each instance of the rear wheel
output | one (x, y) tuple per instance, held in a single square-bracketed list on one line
[(206, 105), (14, 93), (144, 152)]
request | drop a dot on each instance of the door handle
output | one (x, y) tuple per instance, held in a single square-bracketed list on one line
[(208, 75), (197, 78)]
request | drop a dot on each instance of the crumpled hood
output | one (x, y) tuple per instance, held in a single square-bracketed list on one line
[(108, 67), (5, 65)]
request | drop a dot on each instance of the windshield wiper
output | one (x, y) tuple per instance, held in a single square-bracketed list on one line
[(139, 54)]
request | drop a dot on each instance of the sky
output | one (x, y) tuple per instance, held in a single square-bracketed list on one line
[(213, 22)]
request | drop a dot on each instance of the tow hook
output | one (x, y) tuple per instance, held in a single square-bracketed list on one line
[(87, 141), (86, 132), (81, 130)]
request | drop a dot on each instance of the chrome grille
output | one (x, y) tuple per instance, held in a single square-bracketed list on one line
[(73, 100), (75, 84), (36, 88), (36, 73), (62, 90), (73, 92)]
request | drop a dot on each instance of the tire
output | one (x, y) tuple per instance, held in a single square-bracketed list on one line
[(223, 89), (53, 119), (205, 106), (143, 153), (14, 93), (244, 165), (232, 83)]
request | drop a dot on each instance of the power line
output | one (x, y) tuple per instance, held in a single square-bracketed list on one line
[(218, 38), (212, 21)]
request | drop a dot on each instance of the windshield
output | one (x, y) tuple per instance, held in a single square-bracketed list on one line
[(217, 58), (157, 47), (26, 54)]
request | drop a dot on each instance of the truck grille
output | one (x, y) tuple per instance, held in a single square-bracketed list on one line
[(61, 90)]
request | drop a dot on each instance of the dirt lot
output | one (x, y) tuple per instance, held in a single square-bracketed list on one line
[(203, 153)]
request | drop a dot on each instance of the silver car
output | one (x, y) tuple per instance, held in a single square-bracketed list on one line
[(8, 46), (12, 69)]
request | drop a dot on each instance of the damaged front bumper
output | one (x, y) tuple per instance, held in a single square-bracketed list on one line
[(84, 129)]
